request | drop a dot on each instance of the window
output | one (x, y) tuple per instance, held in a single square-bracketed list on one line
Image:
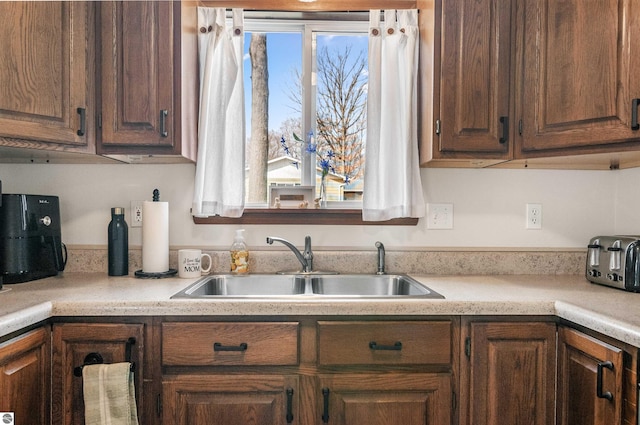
[(305, 90)]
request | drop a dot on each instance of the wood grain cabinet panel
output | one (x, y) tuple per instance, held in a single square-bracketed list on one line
[(509, 374), (475, 79), (229, 400), (579, 84), (531, 83), (137, 72), (590, 380), (385, 399), (72, 343), (229, 343), (25, 377), (46, 70), (384, 343)]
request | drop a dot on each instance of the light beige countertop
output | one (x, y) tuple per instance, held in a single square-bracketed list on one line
[(607, 310)]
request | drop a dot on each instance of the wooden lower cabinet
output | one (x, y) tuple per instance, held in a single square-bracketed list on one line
[(508, 373), (590, 380), (25, 376), (308, 372), (385, 398), (73, 343), (230, 399)]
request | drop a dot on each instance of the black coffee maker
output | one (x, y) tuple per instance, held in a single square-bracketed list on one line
[(30, 241)]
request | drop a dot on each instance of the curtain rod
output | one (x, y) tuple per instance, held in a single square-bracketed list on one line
[(357, 15)]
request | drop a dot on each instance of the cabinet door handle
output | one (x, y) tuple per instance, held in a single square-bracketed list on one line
[(395, 347), (289, 405), (219, 347), (634, 114), (505, 129), (163, 123), (83, 121), (599, 392), (325, 410)]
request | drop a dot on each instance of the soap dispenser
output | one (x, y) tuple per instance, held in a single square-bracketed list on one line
[(239, 254)]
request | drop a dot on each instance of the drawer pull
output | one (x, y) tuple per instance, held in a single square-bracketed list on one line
[(395, 347), (599, 393), (289, 405), (325, 410), (83, 121), (505, 129), (219, 347), (163, 123)]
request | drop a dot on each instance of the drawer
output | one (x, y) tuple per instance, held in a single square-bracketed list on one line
[(229, 343), (384, 343)]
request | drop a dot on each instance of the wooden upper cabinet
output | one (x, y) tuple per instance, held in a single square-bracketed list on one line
[(580, 75), (137, 88), (473, 103), (46, 69)]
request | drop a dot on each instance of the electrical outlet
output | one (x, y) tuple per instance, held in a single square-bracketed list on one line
[(534, 216), (136, 214), (439, 216)]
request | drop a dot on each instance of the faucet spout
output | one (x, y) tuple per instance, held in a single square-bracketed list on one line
[(305, 259), (380, 247)]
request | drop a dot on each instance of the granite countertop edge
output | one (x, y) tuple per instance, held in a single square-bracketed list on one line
[(610, 311)]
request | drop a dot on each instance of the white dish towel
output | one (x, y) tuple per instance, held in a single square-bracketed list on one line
[(109, 394)]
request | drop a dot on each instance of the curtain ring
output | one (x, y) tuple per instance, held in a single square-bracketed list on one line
[(375, 31), (210, 28), (390, 31), (402, 30), (203, 30), (237, 31)]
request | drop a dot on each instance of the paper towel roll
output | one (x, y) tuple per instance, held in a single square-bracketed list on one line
[(155, 237)]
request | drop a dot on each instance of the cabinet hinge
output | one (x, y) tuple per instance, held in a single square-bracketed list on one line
[(159, 405), (99, 120), (438, 127), (520, 127), (467, 346)]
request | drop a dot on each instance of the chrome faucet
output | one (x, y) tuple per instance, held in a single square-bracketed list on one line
[(305, 258), (380, 258)]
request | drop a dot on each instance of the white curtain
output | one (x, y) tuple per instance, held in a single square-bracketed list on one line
[(219, 183), (392, 185)]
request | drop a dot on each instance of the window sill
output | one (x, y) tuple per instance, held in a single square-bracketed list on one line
[(303, 216)]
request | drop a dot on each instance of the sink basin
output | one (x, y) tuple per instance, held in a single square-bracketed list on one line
[(249, 285), (313, 285), (392, 285)]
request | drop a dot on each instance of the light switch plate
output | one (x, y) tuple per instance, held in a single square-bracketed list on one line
[(439, 216)]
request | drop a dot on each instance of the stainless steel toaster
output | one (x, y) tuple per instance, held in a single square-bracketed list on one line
[(614, 261)]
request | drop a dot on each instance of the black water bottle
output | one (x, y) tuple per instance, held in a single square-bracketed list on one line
[(118, 244)]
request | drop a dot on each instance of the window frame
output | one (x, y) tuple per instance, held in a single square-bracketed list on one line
[(309, 29), (327, 216)]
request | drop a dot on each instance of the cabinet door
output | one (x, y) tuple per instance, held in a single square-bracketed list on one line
[(580, 66), (46, 60), (25, 376), (385, 399), (585, 364), (72, 343), (137, 77), (230, 399), (475, 78), (509, 374)]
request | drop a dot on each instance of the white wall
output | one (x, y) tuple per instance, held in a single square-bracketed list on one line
[(489, 207)]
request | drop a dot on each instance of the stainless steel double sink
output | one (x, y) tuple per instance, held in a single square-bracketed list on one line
[(307, 285)]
